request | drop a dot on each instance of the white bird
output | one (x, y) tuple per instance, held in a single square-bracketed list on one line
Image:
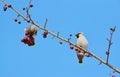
[(32, 30), (82, 42)]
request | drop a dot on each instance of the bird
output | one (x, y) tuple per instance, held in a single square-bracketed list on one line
[(82, 42), (31, 30)]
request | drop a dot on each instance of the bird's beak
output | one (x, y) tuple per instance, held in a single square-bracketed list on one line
[(77, 35)]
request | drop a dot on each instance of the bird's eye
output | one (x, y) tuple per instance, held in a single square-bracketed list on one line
[(77, 35)]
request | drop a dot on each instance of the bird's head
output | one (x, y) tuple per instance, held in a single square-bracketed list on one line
[(78, 34)]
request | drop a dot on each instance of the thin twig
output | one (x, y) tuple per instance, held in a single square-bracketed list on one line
[(27, 11), (45, 23), (110, 42), (30, 2)]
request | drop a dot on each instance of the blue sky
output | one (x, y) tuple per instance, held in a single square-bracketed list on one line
[(50, 59)]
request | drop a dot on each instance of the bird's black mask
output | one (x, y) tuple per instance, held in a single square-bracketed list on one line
[(77, 35)]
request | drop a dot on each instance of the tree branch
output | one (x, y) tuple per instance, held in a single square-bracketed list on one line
[(110, 42), (67, 41)]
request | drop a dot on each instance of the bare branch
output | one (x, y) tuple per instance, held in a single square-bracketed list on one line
[(27, 11), (110, 42), (30, 2), (45, 23)]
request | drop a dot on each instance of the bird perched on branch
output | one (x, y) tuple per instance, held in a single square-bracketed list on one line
[(31, 30), (30, 33), (82, 42)]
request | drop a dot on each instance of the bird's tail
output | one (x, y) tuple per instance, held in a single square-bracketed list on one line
[(80, 62), (80, 57)]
